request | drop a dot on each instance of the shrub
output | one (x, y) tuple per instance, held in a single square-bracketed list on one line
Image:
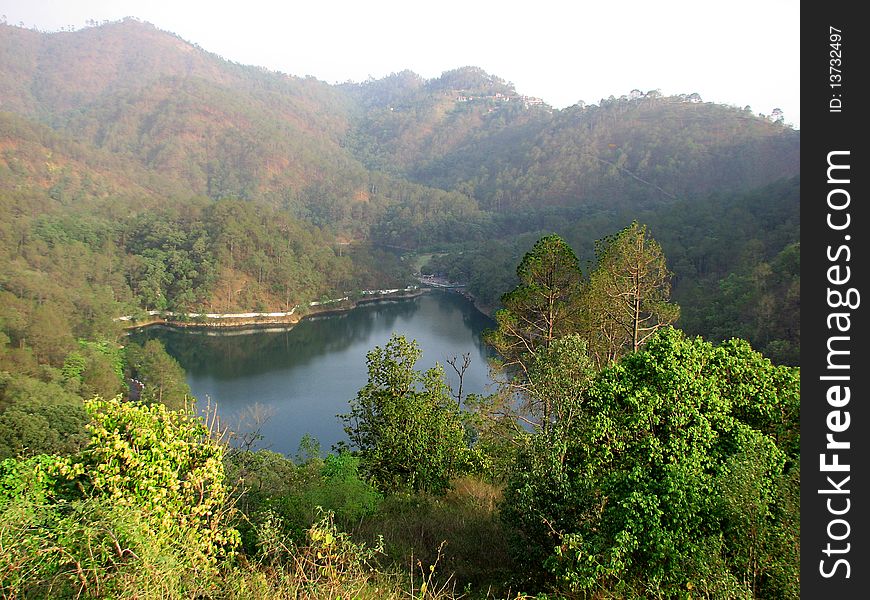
[(406, 426), (163, 462), (142, 511)]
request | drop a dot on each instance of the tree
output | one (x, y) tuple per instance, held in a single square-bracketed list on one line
[(38, 417), (163, 377), (49, 334), (679, 472), (558, 377), (626, 298), (542, 308), (405, 424), (777, 116), (95, 369)]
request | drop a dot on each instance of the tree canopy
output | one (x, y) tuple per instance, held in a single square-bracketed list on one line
[(626, 298), (404, 423), (663, 481)]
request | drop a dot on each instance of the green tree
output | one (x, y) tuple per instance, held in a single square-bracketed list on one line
[(626, 298), (162, 375), (558, 377), (405, 424), (542, 308), (38, 417), (95, 369), (676, 475), (49, 334)]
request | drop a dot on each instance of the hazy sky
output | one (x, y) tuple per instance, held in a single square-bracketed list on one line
[(737, 52)]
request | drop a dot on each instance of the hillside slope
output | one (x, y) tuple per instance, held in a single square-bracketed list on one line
[(216, 128)]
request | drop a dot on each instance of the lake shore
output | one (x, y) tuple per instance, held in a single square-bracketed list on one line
[(308, 372), (489, 311), (461, 289), (255, 320)]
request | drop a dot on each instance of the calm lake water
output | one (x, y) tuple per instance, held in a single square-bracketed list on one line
[(303, 377)]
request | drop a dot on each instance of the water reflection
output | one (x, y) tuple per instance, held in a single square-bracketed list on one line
[(305, 376)]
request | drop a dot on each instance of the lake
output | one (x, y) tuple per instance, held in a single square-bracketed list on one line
[(302, 377)]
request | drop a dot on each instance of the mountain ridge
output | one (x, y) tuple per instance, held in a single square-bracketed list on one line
[(212, 127), (147, 173)]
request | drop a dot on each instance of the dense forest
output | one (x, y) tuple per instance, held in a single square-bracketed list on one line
[(659, 455)]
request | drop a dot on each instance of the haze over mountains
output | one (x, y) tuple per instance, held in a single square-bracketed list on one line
[(175, 118)]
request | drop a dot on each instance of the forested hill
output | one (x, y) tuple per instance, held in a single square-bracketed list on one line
[(473, 132), (116, 129), (210, 126), (645, 150), (216, 128)]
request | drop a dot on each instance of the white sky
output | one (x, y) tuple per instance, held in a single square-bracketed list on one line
[(738, 52)]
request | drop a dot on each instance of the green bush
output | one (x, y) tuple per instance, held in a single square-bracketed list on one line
[(143, 510), (273, 488), (406, 426), (341, 490), (163, 462)]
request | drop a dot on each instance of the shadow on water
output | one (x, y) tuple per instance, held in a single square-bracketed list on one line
[(306, 375), (232, 354)]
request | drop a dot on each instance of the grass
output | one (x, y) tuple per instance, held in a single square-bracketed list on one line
[(457, 541)]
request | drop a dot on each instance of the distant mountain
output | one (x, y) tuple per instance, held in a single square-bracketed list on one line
[(510, 151), (142, 111), (407, 121), (138, 170), (214, 127), (62, 72), (211, 127)]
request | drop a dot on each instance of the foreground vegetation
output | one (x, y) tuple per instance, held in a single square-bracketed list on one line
[(144, 512), (622, 458), (651, 464)]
